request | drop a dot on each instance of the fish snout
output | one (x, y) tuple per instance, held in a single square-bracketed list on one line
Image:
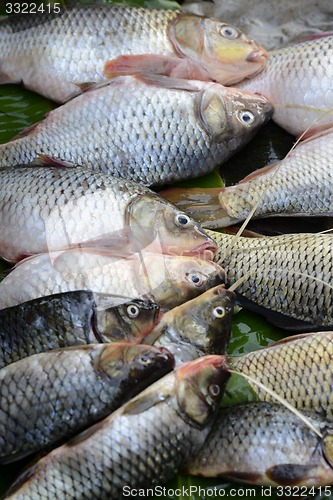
[(259, 55)]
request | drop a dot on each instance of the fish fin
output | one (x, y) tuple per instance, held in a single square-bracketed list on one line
[(85, 86), (246, 233), (291, 338), (259, 172), (291, 474), (143, 402), (280, 320), (154, 64), (53, 162), (4, 78), (248, 477), (317, 36), (327, 447), (26, 131), (315, 132)]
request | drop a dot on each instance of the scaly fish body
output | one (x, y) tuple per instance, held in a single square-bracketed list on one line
[(199, 326), (300, 184), (52, 54), (142, 444), (51, 396), (168, 280), (288, 277), (46, 208), (297, 80), (70, 319), (153, 130), (266, 444), (298, 368)]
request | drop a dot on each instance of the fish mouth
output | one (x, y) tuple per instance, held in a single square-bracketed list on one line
[(205, 251), (258, 56)]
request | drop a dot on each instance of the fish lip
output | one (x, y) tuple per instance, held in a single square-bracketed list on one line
[(206, 251), (257, 56)]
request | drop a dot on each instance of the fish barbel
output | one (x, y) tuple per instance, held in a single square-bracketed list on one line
[(166, 279), (54, 395), (151, 129), (297, 80), (288, 277), (199, 326), (47, 208), (54, 53), (69, 319), (265, 443), (298, 368), (142, 444)]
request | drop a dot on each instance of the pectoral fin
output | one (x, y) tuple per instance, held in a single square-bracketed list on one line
[(292, 474)]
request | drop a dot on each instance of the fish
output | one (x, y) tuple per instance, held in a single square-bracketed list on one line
[(71, 319), (168, 280), (298, 185), (198, 327), (152, 129), (52, 396), (56, 53), (298, 368), (297, 81), (286, 278), (266, 444), (142, 444), (49, 208)]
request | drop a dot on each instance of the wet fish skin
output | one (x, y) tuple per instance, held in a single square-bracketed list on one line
[(300, 184), (153, 130), (288, 277), (52, 54), (51, 396), (265, 444), (142, 444), (198, 327), (298, 368), (168, 280), (69, 319), (48, 208), (297, 80)]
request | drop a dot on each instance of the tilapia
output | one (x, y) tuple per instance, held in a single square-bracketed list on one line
[(51, 396), (287, 278), (54, 53), (166, 279), (265, 443), (199, 326), (299, 185), (45, 208), (142, 444), (69, 319), (298, 368), (298, 81), (153, 130)]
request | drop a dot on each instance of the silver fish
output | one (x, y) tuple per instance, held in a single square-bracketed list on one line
[(287, 278), (297, 80), (153, 130), (53, 53), (142, 444), (47, 208), (51, 396), (265, 443), (166, 279)]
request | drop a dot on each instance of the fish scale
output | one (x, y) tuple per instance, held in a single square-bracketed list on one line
[(299, 369), (275, 283), (123, 128)]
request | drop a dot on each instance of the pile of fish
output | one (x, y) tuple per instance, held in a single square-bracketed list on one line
[(116, 317)]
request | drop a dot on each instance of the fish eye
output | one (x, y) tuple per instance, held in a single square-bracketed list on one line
[(182, 220), (214, 390), (133, 311), (229, 32), (246, 117), (196, 279), (144, 360), (219, 312)]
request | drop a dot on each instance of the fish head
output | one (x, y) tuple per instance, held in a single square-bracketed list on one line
[(132, 367), (205, 321), (161, 227), (130, 321), (199, 388), (230, 116), (175, 279), (224, 52)]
